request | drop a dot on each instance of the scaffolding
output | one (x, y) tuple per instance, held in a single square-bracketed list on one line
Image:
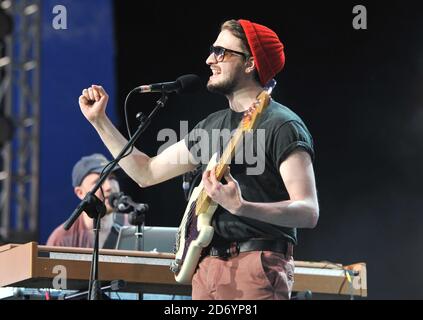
[(20, 101)]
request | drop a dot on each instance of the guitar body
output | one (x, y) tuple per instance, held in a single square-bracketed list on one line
[(195, 234)]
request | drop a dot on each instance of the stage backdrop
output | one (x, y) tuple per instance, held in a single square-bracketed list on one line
[(72, 59)]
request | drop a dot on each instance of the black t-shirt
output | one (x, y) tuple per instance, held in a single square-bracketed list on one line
[(279, 131)]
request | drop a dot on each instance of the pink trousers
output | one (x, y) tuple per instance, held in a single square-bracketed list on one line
[(255, 275)]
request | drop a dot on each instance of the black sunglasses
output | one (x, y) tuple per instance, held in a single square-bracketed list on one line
[(219, 52)]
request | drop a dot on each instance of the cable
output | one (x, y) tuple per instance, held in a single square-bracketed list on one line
[(125, 108), (193, 183)]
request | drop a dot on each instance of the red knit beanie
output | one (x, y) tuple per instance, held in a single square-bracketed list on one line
[(266, 48)]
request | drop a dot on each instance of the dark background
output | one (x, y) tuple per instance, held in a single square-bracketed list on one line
[(358, 91)]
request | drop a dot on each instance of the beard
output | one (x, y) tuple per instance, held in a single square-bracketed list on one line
[(226, 86)]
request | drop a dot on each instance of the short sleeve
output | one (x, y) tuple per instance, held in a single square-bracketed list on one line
[(288, 137)]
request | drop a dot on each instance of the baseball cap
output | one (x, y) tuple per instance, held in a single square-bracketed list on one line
[(94, 163)]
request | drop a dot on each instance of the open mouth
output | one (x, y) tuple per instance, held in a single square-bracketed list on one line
[(215, 72)]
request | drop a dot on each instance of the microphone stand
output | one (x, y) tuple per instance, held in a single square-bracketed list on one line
[(96, 209), (137, 219)]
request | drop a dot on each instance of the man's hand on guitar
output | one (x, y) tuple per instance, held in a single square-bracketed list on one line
[(226, 195)]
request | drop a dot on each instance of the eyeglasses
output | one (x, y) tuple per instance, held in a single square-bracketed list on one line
[(220, 52)]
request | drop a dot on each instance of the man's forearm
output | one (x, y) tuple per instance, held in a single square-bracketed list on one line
[(135, 165), (294, 214)]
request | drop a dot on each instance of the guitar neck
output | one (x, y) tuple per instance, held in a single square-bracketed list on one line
[(228, 154)]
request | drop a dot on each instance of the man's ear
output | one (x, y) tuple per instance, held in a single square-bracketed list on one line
[(250, 65), (79, 192)]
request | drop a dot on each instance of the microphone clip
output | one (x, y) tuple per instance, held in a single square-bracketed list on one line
[(124, 204)]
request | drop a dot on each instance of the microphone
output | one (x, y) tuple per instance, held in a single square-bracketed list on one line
[(124, 204), (188, 83)]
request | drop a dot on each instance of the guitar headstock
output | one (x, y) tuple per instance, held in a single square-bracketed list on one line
[(252, 114)]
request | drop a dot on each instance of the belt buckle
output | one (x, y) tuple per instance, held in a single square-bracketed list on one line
[(226, 253), (232, 251)]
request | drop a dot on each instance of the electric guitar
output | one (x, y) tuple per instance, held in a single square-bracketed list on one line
[(195, 231)]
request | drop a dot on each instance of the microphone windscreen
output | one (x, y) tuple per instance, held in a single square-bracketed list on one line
[(189, 83)]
